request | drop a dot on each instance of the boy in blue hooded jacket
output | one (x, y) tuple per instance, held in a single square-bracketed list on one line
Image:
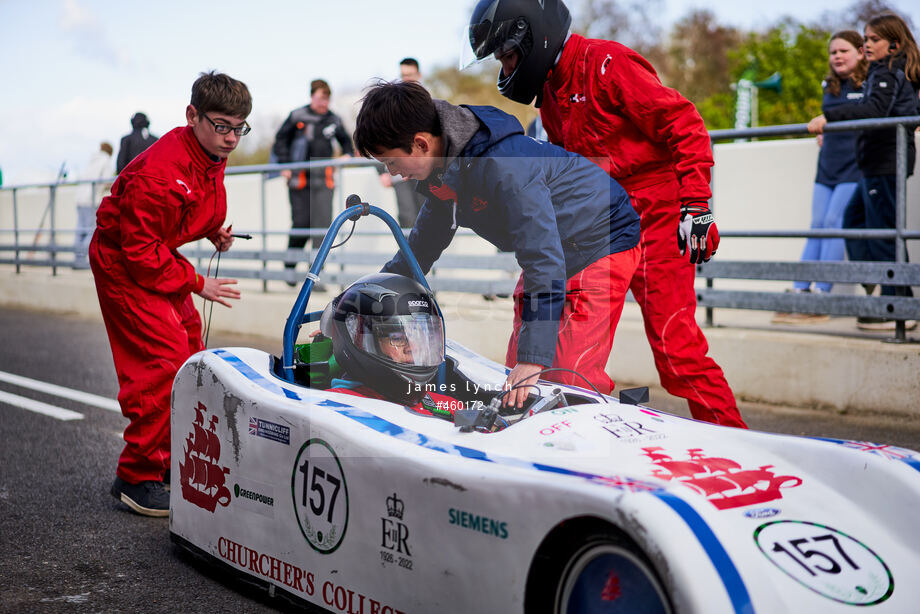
[(571, 227)]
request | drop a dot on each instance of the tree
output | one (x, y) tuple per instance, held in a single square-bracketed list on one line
[(698, 63), (799, 54), (858, 13), (476, 85), (633, 23), (252, 155), (700, 57)]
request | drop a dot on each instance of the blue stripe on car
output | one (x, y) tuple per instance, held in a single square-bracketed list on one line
[(734, 585), (737, 592)]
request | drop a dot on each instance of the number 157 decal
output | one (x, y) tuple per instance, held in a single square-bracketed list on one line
[(826, 561), (320, 496)]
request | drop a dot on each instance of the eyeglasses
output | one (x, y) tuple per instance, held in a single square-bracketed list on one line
[(397, 340), (226, 128)]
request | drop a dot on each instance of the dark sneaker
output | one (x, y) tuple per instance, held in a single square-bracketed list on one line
[(147, 498)]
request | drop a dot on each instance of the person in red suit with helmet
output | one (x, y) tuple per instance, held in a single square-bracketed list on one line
[(169, 195), (604, 101)]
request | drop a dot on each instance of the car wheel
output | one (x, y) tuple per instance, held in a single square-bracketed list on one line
[(599, 571)]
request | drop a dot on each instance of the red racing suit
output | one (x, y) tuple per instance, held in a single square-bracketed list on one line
[(594, 299), (171, 194), (605, 102)]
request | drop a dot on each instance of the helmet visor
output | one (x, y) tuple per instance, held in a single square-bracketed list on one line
[(487, 39), (410, 340)]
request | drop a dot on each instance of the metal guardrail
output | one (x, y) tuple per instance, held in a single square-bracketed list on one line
[(446, 273), (342, 267), (900, 274)]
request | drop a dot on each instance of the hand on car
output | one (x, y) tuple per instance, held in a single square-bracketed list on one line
[(522, 373)]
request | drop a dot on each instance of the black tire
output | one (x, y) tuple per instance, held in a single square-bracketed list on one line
[(590, 567)]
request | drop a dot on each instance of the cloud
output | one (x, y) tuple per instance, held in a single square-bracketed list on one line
[(87, 35)]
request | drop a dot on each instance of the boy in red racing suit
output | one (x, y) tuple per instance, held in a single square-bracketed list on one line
[(605, 102), (171, 194)]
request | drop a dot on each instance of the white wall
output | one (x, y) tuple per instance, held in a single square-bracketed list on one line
[(768, 185)]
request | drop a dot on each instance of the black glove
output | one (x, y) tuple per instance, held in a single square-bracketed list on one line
[(698, 228)]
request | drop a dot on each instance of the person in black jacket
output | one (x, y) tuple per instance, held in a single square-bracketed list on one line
[(891, 90), (136, 142), (571, 227), (307, 134)]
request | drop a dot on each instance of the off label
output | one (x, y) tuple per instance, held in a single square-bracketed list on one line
[(826, 561), (320, 496)]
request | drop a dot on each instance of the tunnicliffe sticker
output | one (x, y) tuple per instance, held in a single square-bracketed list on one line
[(270, 430)]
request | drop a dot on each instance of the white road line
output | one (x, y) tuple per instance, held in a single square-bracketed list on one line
[(39, 407), (60, 391)]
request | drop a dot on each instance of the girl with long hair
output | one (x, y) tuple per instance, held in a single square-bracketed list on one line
[(837, 174), (891, 90)]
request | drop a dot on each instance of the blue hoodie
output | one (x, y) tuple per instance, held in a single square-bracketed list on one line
[(557, 211)]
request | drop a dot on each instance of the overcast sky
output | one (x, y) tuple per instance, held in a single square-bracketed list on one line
[(74, 71)]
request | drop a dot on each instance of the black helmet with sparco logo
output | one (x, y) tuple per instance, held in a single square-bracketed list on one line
[(387, 332), (535, 29)]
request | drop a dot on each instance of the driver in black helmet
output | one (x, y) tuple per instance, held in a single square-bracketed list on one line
[(388, 336)]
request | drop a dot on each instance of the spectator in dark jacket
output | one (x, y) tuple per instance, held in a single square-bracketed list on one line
[(307, 134), (890, 91), (136, 142), (571, 227)]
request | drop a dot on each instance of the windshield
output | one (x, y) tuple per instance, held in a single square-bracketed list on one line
[(416, 340)]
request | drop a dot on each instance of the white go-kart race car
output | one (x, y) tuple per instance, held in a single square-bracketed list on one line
[(583, 503)]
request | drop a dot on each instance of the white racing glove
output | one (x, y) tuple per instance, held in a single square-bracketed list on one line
[(697, 229)]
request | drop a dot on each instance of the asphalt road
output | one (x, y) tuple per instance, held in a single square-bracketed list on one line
[(66, 545)]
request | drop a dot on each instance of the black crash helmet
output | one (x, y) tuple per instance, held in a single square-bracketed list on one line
[(536, 29), (387, 332)]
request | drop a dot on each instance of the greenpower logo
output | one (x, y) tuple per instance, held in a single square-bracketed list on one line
[(253, 495)]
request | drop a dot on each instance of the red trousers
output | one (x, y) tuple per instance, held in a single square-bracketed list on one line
[(151, 335), (663, 287), (593, 304)]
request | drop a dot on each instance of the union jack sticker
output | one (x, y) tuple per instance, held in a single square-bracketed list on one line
[(884, 450)]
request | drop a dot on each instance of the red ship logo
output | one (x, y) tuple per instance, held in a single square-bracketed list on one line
[(721, 480), (202, 479)]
